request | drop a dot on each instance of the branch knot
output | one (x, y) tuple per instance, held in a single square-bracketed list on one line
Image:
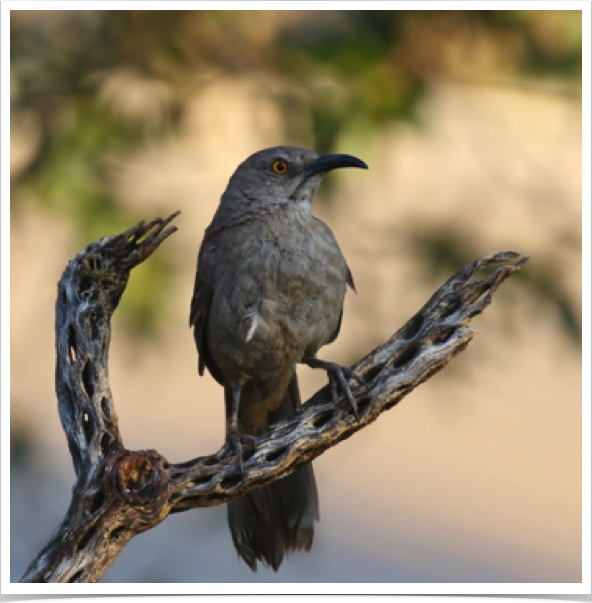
[(139, 476)]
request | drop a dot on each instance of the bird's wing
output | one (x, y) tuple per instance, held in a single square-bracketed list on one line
[(201, 302), (350, 279), (350, 282)]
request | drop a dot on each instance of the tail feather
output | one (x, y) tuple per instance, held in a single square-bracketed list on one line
[(275, 520)]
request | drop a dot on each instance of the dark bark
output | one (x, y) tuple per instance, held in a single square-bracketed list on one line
[(120, 493)]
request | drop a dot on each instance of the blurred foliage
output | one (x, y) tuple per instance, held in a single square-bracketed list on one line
[(343, 66)]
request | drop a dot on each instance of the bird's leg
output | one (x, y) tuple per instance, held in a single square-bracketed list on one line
[(337, 379), (234, 440)]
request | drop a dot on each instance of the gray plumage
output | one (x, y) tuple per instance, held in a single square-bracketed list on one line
[(269, 292)]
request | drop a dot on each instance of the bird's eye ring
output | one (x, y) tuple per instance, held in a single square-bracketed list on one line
[(280, 167)]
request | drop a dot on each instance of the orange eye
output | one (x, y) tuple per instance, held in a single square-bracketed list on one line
[(280, 167)]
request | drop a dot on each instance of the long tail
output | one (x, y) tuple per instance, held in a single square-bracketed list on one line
[(275, 520)]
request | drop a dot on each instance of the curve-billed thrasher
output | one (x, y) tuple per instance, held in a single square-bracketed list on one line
[(268, 294)]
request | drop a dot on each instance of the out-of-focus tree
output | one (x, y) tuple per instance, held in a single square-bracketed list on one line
[(68, 69)]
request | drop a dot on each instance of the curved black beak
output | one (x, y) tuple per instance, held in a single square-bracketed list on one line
[(326, 163)]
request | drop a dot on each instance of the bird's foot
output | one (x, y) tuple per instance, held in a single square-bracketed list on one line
[(338, 376), (234, 446)]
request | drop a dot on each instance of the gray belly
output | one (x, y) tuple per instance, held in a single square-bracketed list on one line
[(279, 306)]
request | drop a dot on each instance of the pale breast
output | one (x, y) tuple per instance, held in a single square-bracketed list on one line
[(282, 300)]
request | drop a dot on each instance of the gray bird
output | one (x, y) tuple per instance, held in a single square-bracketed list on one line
[(269, 293)]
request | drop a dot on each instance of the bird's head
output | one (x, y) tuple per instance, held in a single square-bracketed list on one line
[(285, 175)]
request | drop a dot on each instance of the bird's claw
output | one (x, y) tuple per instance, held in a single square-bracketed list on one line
[(234, 446), (338, 376)]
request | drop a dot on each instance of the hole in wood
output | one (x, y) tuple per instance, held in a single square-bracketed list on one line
[(413, 326), (116, 533), (106, 407), (83, 542), (87, 427), (200, 481), (87, 380), (452, 306), (406, 355), (97, 502), (363, 406), (84, 287), (107, 444), (323, 419), (276, 454), (444, 336), (373, 372), (230, 482), (72, 343)]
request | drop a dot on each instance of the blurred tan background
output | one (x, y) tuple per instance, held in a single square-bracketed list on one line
[(470, 122)]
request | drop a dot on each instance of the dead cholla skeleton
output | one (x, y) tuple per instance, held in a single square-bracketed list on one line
[(120, 493)]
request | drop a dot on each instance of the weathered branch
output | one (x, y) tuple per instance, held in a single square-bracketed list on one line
[(120, 493)]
